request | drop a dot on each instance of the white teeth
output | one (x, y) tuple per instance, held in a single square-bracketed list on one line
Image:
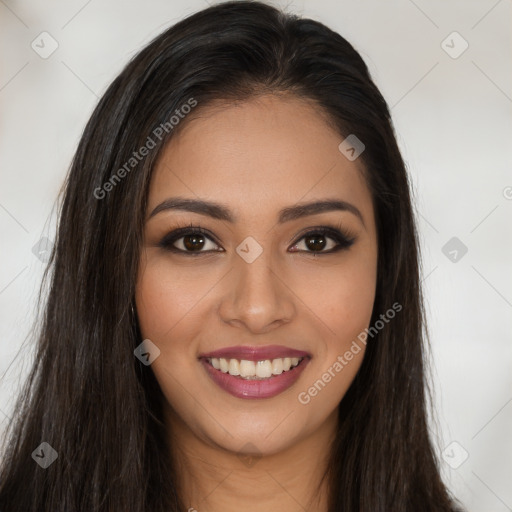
[(255, 370), (263, 369), (223, 365), (234, 367), (247, 368), (277, 366)]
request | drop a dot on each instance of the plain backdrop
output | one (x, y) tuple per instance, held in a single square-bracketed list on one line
[(444, 69)]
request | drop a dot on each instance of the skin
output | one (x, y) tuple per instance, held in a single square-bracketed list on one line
[(256, 157)]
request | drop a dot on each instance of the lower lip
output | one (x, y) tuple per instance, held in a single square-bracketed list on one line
[(242, 388)]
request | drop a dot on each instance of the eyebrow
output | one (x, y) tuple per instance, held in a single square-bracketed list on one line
[(222, 212)]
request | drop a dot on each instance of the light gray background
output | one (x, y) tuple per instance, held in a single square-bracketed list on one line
[(452, 117)]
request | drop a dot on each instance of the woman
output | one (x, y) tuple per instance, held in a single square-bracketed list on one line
[(234, 316)]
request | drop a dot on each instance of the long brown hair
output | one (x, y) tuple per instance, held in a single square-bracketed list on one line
[(96, 404)]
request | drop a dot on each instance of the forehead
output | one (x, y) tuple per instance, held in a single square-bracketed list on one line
[(261, 153)]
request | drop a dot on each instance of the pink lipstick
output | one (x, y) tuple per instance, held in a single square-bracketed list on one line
[(255, 372)]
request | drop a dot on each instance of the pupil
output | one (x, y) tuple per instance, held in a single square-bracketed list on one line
[(191, 241), (316, 245)]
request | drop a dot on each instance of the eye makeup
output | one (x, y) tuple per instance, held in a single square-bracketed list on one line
[(191, 235)]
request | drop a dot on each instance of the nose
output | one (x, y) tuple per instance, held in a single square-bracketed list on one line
[(257, 297)]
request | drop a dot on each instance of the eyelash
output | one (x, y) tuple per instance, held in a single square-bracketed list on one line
[(343, 239)]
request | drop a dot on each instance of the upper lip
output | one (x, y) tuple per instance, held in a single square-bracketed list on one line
[(251, 353)]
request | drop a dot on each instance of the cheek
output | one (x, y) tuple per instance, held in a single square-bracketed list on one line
[(341, 296), (167, 298), (343, 301), (168, 304), (349, 302)]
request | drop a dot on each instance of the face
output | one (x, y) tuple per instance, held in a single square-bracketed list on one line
[(255, 282)]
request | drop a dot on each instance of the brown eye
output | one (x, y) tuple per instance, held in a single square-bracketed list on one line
[(322, 238), (193, 242), (189, 241), (315, 242)]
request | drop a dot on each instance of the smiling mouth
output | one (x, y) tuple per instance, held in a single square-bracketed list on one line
[(255, 370)]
